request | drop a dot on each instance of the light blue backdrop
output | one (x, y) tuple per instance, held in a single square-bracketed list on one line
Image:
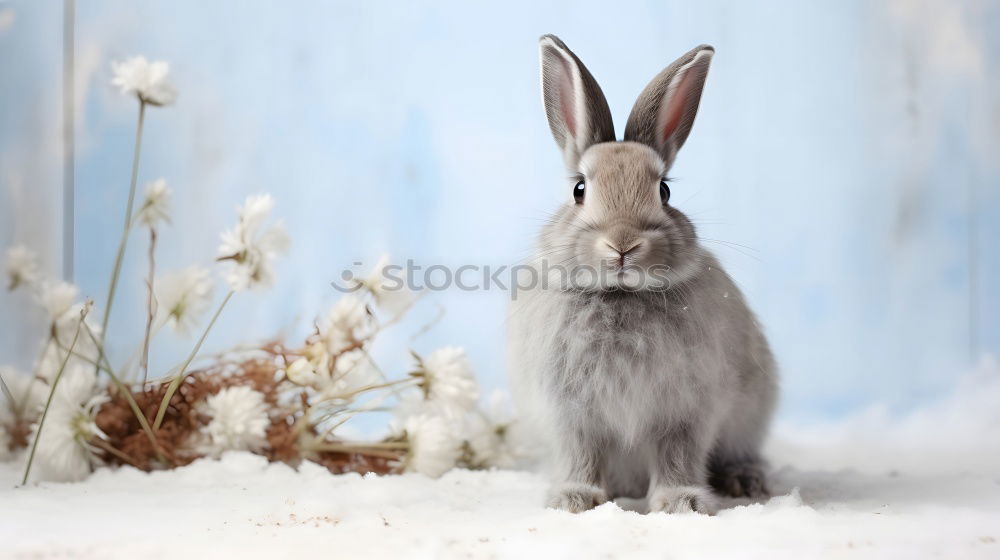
[(850, 146)]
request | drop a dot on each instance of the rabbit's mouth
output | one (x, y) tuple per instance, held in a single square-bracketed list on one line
[(632, 259), (618, 274)]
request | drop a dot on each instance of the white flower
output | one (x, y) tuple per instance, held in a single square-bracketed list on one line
[(389, 292), (182, 297), (255, 211), (333, 378), (29, 393), (239, 421), (447, 379), (58, 299), (347, 324), (155, 207), (434, 447), (77, 385), (301, 372), (22, 267), (249, 251), (66, 319), (485, 440), (354, 364), (491, 438), (64, 451), (409, 404), (352, 371), (147, 80)]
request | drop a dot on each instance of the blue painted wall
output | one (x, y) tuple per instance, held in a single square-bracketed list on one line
[(849, 148)]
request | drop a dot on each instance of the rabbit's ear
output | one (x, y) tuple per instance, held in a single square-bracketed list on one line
[(663, 114), (577, 111)]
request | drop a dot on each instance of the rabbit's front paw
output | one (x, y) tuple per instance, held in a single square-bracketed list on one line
[(575, 498), (740, 480), (682, 499)]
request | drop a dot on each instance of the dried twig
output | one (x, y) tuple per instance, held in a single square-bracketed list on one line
[(150, 304)]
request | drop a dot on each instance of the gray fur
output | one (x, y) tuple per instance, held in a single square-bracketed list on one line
[(649, 392)]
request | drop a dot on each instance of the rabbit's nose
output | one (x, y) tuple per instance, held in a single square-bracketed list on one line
[(620, 251)]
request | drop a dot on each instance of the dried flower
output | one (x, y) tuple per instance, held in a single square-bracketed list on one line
[(333, 378), (78, 385), (447, 380), (183, 296), (390, 294), (58, 299), (250, 252), (491, 441), (352, 371), (22, 267), (64, 451), (412, 403), (29, 395), (155, 207), (147, 80), (348, 323), (484, 441), (434, 447), (238, 422), (301, 372)]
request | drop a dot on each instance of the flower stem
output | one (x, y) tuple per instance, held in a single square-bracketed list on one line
[(150, 309), (387, 452), (52, 393), (367, 388), (82, 357), (350, 414), (102, 358), (176, 382), (127, 393), (98, 442), (119, 257), (8, 394), (130, 367)]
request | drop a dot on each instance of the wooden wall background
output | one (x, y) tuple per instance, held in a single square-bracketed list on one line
[(852, 147)]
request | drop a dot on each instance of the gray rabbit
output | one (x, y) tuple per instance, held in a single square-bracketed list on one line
[(633, 351)]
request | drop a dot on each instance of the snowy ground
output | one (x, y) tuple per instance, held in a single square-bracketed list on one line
[(870, 486)]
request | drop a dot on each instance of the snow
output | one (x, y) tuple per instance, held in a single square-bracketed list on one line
[(242, 507), (873, 485)]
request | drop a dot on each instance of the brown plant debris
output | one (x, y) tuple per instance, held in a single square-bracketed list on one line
[(126, 442)]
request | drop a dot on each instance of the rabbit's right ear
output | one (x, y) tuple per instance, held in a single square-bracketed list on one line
[(577, 111), (664, 113)]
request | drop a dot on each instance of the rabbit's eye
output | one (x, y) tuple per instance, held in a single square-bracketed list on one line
[(578, 191), (664, 192)]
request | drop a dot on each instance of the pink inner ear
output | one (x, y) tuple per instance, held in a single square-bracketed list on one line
[(673, 111), (567, 99)]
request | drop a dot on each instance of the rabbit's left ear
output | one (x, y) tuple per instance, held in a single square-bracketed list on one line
[(575, 106), (664, 113)]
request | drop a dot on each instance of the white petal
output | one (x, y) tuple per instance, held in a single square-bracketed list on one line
[(434, 447), (239, 421)]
